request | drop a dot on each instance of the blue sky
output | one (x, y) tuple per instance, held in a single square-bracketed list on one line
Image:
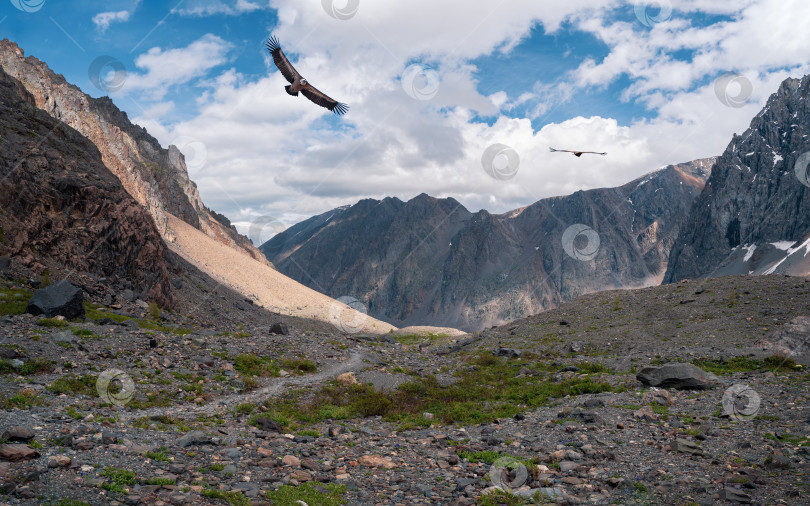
[(635, 79)]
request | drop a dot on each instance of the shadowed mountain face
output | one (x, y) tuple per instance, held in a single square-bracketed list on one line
[(431, 261), (156, 178), (61, 208), (754, 214)]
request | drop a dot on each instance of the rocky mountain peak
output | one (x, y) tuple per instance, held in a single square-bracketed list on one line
[(753, 214), (156, 177)]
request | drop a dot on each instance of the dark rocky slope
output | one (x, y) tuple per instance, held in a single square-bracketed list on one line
[(61, 209), (431, 261), (754, 214), (157, 178)]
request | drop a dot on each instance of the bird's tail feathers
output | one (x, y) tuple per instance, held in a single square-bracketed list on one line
[(293, 93)]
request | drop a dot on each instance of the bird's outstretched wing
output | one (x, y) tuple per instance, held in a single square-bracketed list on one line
[(323, 100), (281, 61), (576, 153)]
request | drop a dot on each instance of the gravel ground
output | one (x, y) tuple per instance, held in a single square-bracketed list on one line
[(189, 433)]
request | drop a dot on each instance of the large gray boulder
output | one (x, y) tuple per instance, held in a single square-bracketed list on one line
[(676, 375), (791, 340), (60, 298)]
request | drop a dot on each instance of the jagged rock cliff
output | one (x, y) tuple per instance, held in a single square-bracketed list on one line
[(157, 178), (432, 261), (61, 209), (754, 214)]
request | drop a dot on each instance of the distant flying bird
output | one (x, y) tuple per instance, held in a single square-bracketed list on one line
[(576, 153), (298, 83)]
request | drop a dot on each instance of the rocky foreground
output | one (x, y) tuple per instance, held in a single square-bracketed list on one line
[(221, 402)]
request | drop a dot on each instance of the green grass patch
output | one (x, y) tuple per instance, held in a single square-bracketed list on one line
[(489, 389), (327, 494), (745, 364), (93, 312), (72, 384), (13, 301), (500, 498), (232, 498), (299, 365), (249, 364), (486, 456), (23, 399), (80, 332), (119, 479), (52, 323), (158, 456), (34, 366), (161, 481)]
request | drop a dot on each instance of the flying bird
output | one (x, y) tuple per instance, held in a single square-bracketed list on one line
[(298, 83), (576, 153)]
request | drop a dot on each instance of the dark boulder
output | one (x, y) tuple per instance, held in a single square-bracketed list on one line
[(279, 329), (60, 298), (679, 376)]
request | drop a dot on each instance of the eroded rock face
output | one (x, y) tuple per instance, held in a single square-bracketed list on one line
[(754, 206), (431, 261), (156, 178), (61, 207)]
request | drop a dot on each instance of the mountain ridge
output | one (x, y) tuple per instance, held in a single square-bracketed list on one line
[(156, 177), (460, 262)]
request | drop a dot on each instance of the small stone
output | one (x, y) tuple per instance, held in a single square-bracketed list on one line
[(567, 465), (301, 476), (427, 416), (17, 452), (279, 329), (195, 437), (347, 378), (59, 461), (291, 461), (20, 434), (734, 495), (777, 462), (507, 352), (269, 425), (376, 461), (686, 446), (660, 397)]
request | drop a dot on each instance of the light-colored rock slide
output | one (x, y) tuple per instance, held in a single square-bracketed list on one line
[(263, 284)]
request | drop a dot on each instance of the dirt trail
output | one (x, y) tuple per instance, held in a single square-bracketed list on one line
[(276, 386)]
